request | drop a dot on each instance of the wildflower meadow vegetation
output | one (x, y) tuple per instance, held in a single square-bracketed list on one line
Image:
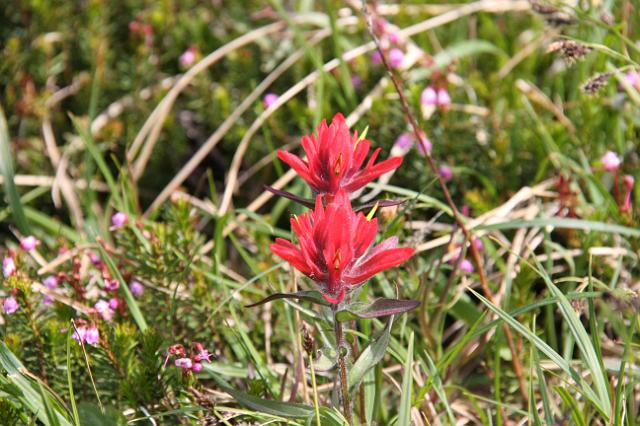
[(319, 212)]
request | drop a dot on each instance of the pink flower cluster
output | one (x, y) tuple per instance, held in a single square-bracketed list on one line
[(191, 362), (86, 333), (611, 163)]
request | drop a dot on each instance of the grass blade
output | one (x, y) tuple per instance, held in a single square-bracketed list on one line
[(404, 416), (6, 168)]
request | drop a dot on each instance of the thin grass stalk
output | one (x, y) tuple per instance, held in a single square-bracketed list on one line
[(342, 367)]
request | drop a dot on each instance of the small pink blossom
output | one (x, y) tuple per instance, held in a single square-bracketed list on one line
[(137, 289), (79, 334), (424, 145), (404, 141), (394, 37), (111, 284), (47, 300), (446, 172), (197, 367), (92, 335), (114, 303), (465, 210), (8, 267), (50, 282), (203, 355), (356, 81), (118, 220), (104, 310), (269, 99), (429, 96), (86, 334), (94, 258), (633, 79), (477, 242), (10, 305), (188, 57), (396, 57), (184, 363), (29, 243), (444, 100), (610, 161), (466, 266), (376, 57)]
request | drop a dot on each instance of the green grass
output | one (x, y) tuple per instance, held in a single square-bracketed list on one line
[(553, 341)]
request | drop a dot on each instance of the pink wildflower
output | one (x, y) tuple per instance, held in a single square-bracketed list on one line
[(197, 367), (429, 96), (446, 172), (269, 99), (444, 100), (610, 161), (8, 267), (10, 305), (104, 310), (136, 288), (396, 57), (118, 220), (376, 57), (92, 335), (50, 282), (111, 284), (184, 363), (188, 57), (466, 266), (114, 303), (29, 243)]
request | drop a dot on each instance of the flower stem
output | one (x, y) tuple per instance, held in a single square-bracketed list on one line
[(342, 366), (315, 389)]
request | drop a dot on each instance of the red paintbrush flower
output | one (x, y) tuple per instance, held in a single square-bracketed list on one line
[(335, 248), (335, 159)]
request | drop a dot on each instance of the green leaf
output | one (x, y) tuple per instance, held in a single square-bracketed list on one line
[(134, 309), (404, 415), (379, 308), (370, 356), (565, 223), (37, 398), (276, 408), (543, 347), (92, 416), (6, 168), (310, 296)]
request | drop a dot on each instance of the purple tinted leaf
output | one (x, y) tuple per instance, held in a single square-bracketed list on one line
[(379, 308), (381, 203), (305, 202), (310, 296)]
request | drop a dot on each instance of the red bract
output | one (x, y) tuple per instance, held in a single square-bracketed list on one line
[(335, 248), (335, 158)]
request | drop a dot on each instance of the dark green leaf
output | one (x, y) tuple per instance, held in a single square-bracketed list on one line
[(379, 308), (310, 296)]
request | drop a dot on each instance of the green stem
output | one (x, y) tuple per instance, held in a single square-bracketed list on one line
[(315, 389), (342, 366)]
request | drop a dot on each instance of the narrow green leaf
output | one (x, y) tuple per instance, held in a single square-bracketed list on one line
[(379, 308), (404, 415), (370, 356), (6, 168), (276, 408), (30, 395), (547, 350), (72, 399), (565, 223), (134, 309), (309, 295)]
